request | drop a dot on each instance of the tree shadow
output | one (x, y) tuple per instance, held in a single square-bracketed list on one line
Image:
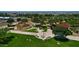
[(6, 40), (61, 38)]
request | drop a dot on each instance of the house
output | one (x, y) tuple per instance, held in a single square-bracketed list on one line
[(63, 24), (3, 23), (76, 30), (13, 25), (23, 25)]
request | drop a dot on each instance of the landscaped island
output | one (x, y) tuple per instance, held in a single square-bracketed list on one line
[(22, 29)]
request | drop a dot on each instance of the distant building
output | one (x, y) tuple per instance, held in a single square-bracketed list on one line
[(4, 17)]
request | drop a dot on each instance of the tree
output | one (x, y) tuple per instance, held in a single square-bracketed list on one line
[(18, 19), (10, 20), (4, 37)]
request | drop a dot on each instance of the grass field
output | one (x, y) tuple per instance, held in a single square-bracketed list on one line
[(31, 41)]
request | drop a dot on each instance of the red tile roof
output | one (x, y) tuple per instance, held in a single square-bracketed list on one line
[(64, 25)]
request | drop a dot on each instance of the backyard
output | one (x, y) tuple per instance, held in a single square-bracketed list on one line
[(19, 40)]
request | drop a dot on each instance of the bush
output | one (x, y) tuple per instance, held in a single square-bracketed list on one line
[(4, 37)]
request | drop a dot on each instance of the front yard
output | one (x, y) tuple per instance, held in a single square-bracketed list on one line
[(30, 41)]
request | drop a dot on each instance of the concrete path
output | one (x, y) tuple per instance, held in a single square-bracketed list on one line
[(71, 37), (20, 32)]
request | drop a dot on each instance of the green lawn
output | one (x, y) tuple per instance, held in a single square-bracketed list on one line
[(32, 30), (31, 41)]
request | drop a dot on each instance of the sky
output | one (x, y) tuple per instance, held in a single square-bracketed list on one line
[(39, 5)]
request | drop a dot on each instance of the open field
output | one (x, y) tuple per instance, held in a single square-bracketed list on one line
[(30, 41)]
